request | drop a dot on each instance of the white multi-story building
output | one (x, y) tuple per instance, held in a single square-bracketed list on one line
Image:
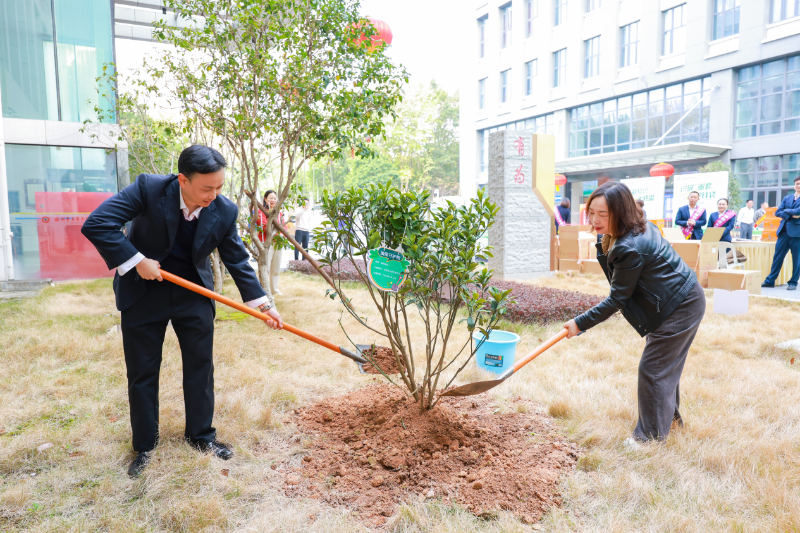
[(625, 84)]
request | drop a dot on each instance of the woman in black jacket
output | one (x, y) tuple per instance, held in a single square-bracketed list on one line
[(564, 212), (658, 295)]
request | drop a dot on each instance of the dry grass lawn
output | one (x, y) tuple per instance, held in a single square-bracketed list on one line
[(734, 467)]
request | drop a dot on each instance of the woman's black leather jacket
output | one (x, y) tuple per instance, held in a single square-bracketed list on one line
[(649, 280)]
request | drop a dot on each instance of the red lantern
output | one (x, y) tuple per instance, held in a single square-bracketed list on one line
[(662, 170), (382, 38), (561, 179)]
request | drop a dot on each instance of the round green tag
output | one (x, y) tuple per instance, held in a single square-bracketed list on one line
[(387, 269)]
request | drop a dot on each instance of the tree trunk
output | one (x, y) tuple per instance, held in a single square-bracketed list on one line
[(263, 268), (216, 265)]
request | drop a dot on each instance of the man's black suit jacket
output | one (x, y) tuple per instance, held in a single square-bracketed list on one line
[(152, 204)]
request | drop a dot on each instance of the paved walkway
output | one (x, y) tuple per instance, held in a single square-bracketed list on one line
[(781, 293)]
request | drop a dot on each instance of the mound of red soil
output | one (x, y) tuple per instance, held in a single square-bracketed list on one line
[(383, 357), (372, 449)]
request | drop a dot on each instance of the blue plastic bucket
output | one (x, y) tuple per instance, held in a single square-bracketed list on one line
[(497, 353)]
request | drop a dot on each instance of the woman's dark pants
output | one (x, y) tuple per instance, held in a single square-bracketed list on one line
[(301, 236), (661, 367)]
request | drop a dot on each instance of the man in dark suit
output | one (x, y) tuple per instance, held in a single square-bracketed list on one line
[(687, 221), (788, 238), (176, 222)]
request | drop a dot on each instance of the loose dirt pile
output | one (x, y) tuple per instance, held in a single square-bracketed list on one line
[(383, 357), (372, 449)]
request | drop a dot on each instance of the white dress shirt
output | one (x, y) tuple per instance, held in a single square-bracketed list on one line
[(128, 265), (746, 215)]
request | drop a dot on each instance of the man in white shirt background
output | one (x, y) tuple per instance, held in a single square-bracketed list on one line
[(302, 226), (746, 217)]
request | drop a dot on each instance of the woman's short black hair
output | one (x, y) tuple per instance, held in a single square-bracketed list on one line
[(268, 193), (200, 159), (565, 202)]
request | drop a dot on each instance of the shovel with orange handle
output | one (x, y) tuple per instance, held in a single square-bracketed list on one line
[(259, 315), (482, 386)]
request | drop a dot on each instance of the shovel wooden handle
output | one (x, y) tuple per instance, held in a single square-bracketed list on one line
[(244, 309), (538, 351)]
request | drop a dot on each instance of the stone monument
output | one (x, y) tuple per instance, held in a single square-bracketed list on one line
[(522, 184)]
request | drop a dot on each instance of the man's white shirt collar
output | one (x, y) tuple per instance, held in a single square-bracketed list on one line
[(186, 215)]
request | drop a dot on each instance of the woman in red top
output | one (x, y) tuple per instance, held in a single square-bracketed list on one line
[(274, 256)]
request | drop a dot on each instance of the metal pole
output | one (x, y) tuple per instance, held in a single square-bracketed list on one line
[(703, 99), (6, 242)]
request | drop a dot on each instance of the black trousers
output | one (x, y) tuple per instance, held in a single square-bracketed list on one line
[(143, 328), (785, 245), (301, 236), (661, 367)]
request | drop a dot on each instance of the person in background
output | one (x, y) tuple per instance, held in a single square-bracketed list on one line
[(302, 222), (640, 203), (788, 238), (658, 295), (692, 218), (275, 255), (723, 218), (761, 212), (746, 217), (562, 214)]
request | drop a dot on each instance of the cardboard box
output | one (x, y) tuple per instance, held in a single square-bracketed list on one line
[(769, 236), (772, 224), (565, 265), (571, 232), (708, 263), (771, 211), (592, 266), (735, 280), (702, 278)]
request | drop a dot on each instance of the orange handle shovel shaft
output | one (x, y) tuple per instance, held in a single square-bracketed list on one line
[(538, 351), (244, 309)]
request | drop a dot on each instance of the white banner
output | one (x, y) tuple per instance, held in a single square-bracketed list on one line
[(711, 186), (651, 190)]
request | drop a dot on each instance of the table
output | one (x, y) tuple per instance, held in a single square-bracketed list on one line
[(759, 257)]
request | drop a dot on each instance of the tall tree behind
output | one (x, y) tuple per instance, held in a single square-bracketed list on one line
[(277, 82)]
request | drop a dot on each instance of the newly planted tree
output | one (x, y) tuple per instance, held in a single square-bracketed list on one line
[(415, 260)]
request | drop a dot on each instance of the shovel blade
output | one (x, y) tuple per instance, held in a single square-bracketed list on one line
[(473, 388)]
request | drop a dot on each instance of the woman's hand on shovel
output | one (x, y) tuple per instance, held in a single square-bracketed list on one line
[(572, 329)]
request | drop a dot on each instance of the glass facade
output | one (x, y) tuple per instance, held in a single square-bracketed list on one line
[(530, 73), (768, 98), (531, 12), (639, 120), (51, 191), (560, 68), (560, 12), (482, 93), (482, 36), (543, 125), (726, 18), (629, 50), (783, 9), (505, 21), (591, 5), (50, 59), (505, 86), (767, 179)]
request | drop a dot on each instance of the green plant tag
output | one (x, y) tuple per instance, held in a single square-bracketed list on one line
[(387, 269)]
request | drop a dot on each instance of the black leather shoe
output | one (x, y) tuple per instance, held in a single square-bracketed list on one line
[(767, 285), (139, 464), (221, 450), (791, 288)]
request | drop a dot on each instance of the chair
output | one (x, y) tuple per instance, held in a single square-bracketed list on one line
[(722, 263)]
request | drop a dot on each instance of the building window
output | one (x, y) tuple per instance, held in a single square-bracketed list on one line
[(482, 93), (639, 120), (505, 29), (482, 36), (630, 45), (768, 98), (783, 9), (505, 86), (61, 183), (530, 73), (561, 12), (531, 12), (592, 65), (673, 30), (591, 5), (767, 179), (726, 18), (560, 68), (52, 57)]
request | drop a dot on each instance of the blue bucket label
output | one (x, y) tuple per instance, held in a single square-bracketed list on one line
[(493, 360)]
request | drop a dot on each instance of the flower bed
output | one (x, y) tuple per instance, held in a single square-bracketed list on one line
[(533, 304)]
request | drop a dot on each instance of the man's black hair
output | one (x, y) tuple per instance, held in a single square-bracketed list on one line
[(797, 178), (200, 159)]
